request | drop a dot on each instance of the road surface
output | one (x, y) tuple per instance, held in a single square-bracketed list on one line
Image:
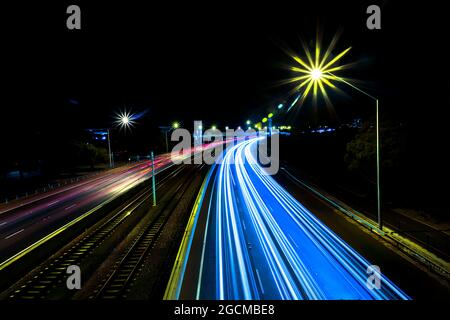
[(23, 224), (253, 240)]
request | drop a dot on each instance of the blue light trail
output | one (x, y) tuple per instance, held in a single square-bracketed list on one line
[(261, 243)]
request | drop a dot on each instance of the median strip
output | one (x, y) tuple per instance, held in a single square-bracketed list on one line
[(176, 277)]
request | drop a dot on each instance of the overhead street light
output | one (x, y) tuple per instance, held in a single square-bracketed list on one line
[(317, 74), (166, 130)]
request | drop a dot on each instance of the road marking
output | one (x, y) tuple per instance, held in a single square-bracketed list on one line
[(293, 240), (259, 280), (15, 233), (52, 203), (3, 223), (70, 207)]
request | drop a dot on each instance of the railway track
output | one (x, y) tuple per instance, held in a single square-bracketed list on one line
[(126, 269), (54, 273)]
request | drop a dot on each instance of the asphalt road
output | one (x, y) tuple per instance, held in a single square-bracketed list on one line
[(254, 241), (23, 224)]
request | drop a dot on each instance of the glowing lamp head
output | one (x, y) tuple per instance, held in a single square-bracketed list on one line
[(125, 120), (316, 74)]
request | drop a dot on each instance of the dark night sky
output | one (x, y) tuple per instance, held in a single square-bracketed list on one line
[(217, 61)]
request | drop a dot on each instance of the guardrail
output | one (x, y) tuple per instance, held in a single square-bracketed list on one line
[(429, 260)]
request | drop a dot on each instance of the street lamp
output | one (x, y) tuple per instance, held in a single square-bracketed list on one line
[(124, 120), (377, 128), (319, 73), (166, 130), (111, 160), (316, 74)]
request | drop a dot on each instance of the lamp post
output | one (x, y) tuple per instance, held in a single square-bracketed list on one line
[(314, 75), (123, 120), (153, 179), (166, 130), (111, 161), (377, 128)]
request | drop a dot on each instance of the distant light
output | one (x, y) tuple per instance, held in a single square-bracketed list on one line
[(125, 120), (213, 127), (248, 122), (103, 138), (200, 127), (264, 120), (280, 106), (226, 128), (175, 125), (270, 115), (239, 128)]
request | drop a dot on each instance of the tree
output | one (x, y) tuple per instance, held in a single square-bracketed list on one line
[(361, 151), (90, 154)]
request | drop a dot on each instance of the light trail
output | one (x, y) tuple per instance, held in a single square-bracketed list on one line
[(23, 230), (261, 243)]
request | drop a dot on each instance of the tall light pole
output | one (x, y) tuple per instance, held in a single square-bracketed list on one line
[(153, 179), (123, 120), (314, 75), (166, 130), (111, 164), (377, 128)]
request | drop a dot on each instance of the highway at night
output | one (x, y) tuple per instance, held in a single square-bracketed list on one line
[(25, 225), (261, 243), (224, 161)]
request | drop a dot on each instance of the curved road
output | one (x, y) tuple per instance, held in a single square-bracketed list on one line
[(253, 240)]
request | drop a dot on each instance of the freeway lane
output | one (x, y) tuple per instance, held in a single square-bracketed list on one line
[(22, 225), (408, 274), (255, 241)]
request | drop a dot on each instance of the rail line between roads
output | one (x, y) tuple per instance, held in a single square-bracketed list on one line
[(55, 271)]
